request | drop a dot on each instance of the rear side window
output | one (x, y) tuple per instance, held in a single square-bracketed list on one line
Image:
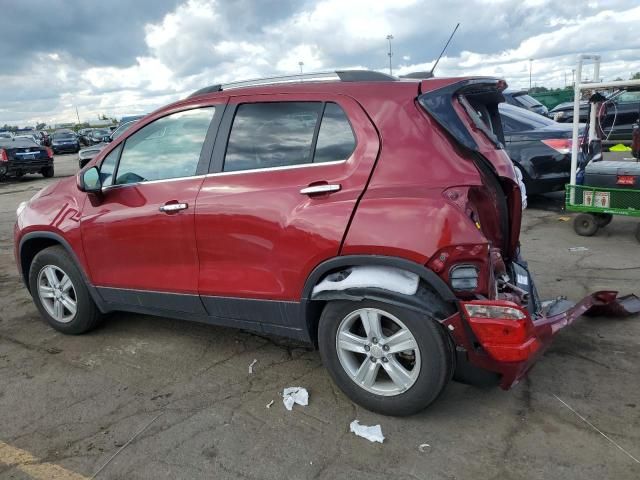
[(336, 140), (166, 148), (267, 135)]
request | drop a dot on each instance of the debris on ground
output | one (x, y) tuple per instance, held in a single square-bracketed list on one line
[(578, 249), (255, 360), (292, 395), (269, 404), (564, 219), (372, 433), (424, 448)]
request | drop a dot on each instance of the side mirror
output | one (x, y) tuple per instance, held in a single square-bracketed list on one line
[(89, 181), (106, 139)]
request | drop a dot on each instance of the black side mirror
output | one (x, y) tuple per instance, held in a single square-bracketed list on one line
[(89, 181), (106, 139)]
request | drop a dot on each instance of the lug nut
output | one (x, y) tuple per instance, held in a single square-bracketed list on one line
[(385, 359), (374, 340), (385, 348), (367, 348), (372, 358)]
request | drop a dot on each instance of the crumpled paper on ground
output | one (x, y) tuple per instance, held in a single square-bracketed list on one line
[(291, 395), (373, 433)]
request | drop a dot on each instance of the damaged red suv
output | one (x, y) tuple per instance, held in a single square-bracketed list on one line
[(375, 218)]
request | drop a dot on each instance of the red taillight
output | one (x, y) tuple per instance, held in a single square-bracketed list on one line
[(560, 145), (626, 180), (3, 155), (50, 152), (503, 329)]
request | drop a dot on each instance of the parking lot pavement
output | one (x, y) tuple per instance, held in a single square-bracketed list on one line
[(69, 403)]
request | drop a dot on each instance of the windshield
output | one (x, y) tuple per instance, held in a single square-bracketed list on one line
[(63, 136), (528, 100), (121, 129), (100, 132)]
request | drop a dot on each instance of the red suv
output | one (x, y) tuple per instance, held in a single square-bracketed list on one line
[(375, 218)]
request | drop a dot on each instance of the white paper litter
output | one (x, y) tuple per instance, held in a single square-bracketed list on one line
[(291, 395), (269, 404), (373, 433), (578, 249), (255, 360), (387, 278), (424, 447)]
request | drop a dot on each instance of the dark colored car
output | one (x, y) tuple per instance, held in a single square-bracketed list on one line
[(97, 135), (83, 136), (64, 141), (20, 156), (617, 115), (44, 138), (522, 99), (280, 209), (539, 147), (86, 154)]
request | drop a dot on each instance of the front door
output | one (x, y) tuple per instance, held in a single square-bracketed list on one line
[(285, 185), (139, 234)]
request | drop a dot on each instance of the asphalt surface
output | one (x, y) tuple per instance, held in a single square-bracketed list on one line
[(69, 403)]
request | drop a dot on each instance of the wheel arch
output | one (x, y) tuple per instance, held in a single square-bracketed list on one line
[(429, 284)]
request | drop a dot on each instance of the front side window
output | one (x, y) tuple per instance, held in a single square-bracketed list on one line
[(166, 148), (335, 138), (266, 135), (629, 97)]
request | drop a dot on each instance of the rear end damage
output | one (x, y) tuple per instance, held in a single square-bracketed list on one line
[(501, 325)]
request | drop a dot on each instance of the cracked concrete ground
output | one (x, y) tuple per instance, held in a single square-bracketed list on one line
[(74, 401)]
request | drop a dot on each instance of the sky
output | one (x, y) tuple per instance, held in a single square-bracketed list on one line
[(125, 57)]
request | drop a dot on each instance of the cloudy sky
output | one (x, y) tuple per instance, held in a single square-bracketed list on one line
[(122, 56)]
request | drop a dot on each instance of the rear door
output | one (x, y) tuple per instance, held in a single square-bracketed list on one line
[(288, 171)]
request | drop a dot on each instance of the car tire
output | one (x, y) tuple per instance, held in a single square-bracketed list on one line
[(432, 356), (48, 172), (585, 225), (603, 219), (57, 288)]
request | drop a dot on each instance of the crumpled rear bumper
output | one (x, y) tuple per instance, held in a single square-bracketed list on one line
[(510, 346)]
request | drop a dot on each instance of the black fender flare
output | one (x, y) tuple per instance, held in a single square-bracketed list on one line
[(61, 241)]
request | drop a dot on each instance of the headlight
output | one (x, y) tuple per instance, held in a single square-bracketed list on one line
[(21, 208)]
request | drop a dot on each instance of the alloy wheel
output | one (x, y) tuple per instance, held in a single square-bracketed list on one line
[(57, 294)]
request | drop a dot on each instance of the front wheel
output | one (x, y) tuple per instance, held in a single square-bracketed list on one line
[(388, 359), (48, 172), (59, 292), (585, 225)]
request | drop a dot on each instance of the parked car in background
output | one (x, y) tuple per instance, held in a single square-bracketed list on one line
[(86, 154), (32, 137), (539, 147), (280, 209), (97, 135), (64, 141), (5, 134), (522, 99), (44, 138), (563, 112), (19, 156), (83, 136)]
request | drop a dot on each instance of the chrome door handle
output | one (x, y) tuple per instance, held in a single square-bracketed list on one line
[(324, 188), (174, 207)]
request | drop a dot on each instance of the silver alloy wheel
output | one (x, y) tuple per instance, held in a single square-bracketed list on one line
[(387, 343), (57, 294)]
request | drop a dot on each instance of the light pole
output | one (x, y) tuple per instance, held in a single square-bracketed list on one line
[(573, 77), (389, 38), (530, 67), (301, 63)]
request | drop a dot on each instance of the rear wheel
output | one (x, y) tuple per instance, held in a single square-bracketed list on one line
[(59, 292), (47, 172), (585, 225), (388, 359)]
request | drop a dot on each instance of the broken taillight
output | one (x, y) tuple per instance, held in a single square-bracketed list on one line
[(3, 155)]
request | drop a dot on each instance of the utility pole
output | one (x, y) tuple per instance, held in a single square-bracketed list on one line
[(77, 115), (530, 67), (300, 63), (389, 38), (573, 77)]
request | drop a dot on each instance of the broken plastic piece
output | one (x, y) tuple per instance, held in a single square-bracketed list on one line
[(291, 395), (387, 278), (255, 360), (424, 448), (372, 433), (269, 404), (578, 249)]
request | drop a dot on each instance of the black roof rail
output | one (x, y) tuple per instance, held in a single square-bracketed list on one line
[(341, 75)]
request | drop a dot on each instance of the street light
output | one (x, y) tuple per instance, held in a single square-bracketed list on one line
[(301, 63), (530, 67), (389, 38)]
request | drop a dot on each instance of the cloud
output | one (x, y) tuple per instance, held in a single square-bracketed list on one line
[(126, 57)]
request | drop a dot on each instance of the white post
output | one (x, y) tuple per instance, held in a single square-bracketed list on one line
[(576, 124)]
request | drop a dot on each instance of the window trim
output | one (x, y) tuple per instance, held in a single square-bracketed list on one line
[(206, 153)]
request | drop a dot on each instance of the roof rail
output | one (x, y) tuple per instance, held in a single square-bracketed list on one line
[(341, 75), (418, 75)]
